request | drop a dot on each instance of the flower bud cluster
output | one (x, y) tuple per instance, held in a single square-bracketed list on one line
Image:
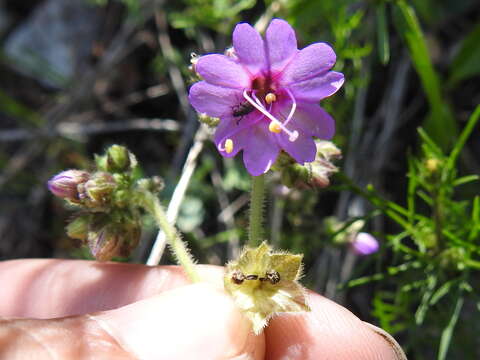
[(309, 175), (108, 217)]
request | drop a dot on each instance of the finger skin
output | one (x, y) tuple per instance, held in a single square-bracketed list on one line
[(50, 288), (191, 322), (327, 332), (56, 288), (198, 321), (65, 338)]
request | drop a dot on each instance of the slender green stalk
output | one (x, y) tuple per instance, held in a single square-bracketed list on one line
[(178, 247), (257, 195)]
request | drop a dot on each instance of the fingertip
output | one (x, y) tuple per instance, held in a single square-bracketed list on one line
[(329, 331), (195, 321)]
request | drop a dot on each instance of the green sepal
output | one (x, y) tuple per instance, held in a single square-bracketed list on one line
[(264, 283)]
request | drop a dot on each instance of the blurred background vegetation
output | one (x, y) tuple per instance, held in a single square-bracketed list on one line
[(79, 75)]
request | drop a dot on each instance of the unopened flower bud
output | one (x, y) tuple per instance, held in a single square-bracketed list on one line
[(320, 172), (119, 159), (108, 239), (97, 191), (65, 184), (364, 244), (104, 244), (315, 174), (327, 150), (78, 227)]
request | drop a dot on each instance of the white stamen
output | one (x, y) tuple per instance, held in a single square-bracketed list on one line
[(257, 99), (292, 135), (293, 108)]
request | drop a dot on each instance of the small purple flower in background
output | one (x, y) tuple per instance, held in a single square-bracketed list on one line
[(364, 244), (266, 94), (65, 184)]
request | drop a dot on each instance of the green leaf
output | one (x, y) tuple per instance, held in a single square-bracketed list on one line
[(263, 283), (382, 34), (475, 218), (462, 139), (442, 291), (425, 303), (465, 180)]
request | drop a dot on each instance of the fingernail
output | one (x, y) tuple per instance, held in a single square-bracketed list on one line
[(397, 350)]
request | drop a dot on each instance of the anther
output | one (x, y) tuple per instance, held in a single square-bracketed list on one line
[(274, 127), (228, 146), (270, 98)]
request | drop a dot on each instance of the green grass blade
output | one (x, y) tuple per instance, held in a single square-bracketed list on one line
[(382, 34), (439, 123), (448, 331)]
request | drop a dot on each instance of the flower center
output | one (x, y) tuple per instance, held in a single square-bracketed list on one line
[(276, 126)]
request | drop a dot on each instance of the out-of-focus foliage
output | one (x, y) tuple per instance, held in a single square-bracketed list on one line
[(437, 251), (219, 15)]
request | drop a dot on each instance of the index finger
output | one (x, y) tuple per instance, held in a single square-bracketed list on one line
[(48, 288)]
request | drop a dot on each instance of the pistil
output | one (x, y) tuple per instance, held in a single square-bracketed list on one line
[(293, 108)]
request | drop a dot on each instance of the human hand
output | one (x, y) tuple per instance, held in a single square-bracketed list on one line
[(69, 309)]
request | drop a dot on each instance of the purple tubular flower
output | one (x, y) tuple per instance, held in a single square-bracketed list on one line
[(364, 244), (266, 94), (65, 184)]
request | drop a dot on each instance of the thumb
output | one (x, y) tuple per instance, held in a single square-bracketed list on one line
[(192, 322)]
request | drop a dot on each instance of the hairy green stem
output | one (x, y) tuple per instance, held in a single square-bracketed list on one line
[(257, 195), (151, 203)]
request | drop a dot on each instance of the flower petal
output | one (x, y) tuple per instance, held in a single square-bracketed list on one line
[(303, 149), (214, 100), (318, 88), (249, 48), (315, 121), (281, 44), (260, 149), (309, 119), (309, 62), (237, 131), (221, 70)]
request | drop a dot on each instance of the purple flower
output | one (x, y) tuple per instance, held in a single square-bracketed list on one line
[(364, 244), (65, 184), (266, 94)]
